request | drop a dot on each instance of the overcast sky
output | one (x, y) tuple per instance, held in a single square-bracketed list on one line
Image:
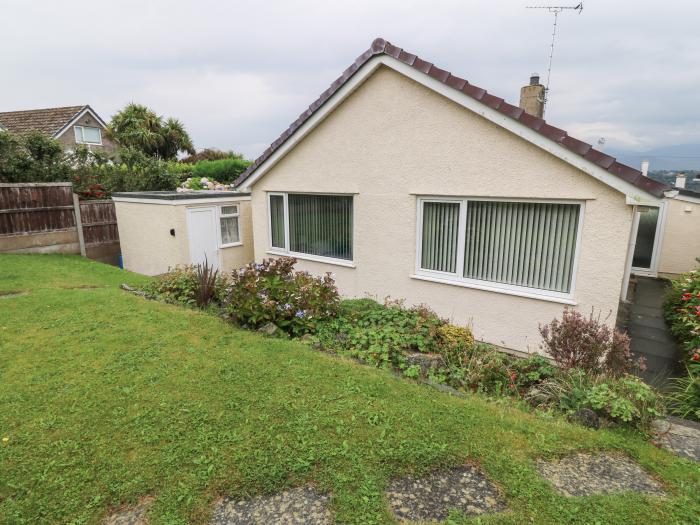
[(237, 72)]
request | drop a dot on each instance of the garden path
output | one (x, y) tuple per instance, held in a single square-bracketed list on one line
[(651, 338)]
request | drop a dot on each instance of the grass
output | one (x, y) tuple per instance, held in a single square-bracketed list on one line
[(107, 397)]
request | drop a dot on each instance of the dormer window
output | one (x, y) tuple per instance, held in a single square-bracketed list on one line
[(88, 135)]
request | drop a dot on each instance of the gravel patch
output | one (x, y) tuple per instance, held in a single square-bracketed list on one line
[(587, 474), (681, 439), (133, 516), (298, 506), (431, 498)]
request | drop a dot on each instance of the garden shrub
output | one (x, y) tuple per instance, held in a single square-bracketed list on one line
[(380, 334), (184, 285), (684, 397), (582, 342), (624, 399), (682, 311), (272, 292), (224, 170)]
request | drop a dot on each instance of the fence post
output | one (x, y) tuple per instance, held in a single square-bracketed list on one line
[(79, 224)]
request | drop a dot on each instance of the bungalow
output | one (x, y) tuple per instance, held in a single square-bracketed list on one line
[(71, 125), (407, 181)]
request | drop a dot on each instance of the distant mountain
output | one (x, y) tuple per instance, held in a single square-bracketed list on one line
[(678, 158)]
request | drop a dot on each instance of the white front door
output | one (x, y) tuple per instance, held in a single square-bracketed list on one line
[(201, 223)]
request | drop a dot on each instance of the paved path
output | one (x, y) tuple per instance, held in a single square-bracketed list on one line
[(650, 336)]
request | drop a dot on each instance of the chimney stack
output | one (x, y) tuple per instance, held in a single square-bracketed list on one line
[(645, 168), (532, 97), (680, 180)]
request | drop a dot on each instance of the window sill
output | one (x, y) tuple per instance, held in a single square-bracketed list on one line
[(487, 288), (315, 258), (231, 245)]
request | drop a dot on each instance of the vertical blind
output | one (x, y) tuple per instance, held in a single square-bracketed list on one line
[(277, 226), (440, 231), (517, 243), (318, 224)]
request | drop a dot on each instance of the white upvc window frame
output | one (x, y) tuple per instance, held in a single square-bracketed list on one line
[(220, 215), (653, 270), (82, 135), (457, 279), (273, 250)]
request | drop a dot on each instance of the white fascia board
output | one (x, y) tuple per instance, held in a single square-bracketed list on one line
[(86, 109), (633, 194), (179, 202)]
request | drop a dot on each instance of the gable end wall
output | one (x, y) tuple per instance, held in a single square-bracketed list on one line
[(394, 139)]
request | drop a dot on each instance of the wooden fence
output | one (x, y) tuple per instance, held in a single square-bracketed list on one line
[(49, 218)]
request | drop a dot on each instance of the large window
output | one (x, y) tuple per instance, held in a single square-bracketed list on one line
[(317, 225), (511, 245), (87, 135), (228, 220)]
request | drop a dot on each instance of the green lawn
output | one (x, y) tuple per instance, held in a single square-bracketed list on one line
[(106, 397)]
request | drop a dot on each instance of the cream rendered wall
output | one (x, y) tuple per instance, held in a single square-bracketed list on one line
[(394, 139), (148, 248), (144, 234), (680, 244), (237, 256)]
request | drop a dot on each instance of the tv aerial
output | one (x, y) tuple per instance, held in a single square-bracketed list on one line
[(555, 10)]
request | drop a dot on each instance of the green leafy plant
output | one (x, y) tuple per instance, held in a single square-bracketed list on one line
[(226, 170), (272, 292), (380, 334), (622, 399), (189, 285), (682, 312), (684, 397)]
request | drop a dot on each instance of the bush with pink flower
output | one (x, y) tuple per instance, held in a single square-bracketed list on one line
[(272, 292), (203, 183)]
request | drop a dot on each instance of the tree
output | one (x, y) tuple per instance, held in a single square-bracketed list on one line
[(139, 127), (32, 157)]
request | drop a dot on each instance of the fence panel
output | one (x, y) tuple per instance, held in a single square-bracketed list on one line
[(100, 234), (33, 208), (41, 218)]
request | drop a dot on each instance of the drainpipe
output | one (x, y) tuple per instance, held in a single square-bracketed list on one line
[(630, 254)]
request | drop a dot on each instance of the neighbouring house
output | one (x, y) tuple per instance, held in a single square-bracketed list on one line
[(71, 125), (163, 229), (404, 180)]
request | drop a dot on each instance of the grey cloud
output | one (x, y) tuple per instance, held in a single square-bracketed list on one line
[(238, 72)]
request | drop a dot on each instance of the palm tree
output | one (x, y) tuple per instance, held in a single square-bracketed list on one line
[(137, 126)]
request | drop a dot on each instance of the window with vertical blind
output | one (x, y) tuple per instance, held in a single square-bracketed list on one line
[(311, 224), (509, 245)]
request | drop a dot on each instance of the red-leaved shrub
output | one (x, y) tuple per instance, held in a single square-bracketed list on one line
[(587, 343)]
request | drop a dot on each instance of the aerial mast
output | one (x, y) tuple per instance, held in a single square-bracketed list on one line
[(555, 10)]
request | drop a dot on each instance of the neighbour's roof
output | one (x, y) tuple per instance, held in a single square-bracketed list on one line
[(382, 47), (49, 121), (180, 195), (688, 193)]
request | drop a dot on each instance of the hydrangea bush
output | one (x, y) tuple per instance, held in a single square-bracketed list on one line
[(203, 183), (272, 292)]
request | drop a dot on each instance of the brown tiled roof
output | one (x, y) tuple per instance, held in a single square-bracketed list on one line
[(382, 47), (49, 121)]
